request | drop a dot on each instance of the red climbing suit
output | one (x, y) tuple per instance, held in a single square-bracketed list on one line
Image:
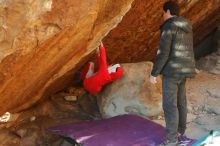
[(94, 83)]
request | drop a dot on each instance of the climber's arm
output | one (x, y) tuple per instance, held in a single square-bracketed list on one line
[(102, 58)]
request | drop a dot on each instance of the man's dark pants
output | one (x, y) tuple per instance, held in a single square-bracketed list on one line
[(174, 106)]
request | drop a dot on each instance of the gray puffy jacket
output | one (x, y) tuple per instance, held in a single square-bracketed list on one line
[(175, 56)]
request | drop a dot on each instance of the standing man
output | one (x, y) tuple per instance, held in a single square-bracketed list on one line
[(175, 61)]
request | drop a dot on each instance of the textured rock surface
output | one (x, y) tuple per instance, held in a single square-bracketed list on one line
[(133, 93), (42, 42), (205, 96), (31, 126), (204, 104), (211, 63), (56, 111), (136, 37), (8, 138)]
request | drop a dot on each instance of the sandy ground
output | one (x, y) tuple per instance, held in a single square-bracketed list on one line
[(203, 93), (203, 104)]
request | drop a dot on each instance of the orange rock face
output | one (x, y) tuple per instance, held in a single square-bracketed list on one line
[(43, 41), (136, 37)]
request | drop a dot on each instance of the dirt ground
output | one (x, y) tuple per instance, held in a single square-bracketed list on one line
[(203, 94), (75, 105), (203, 104)]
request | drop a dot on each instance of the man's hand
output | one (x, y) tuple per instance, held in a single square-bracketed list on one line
[(197, 70), (153, 79)]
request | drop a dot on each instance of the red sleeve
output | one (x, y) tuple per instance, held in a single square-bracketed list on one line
[(102, 59), (101, 77), (92, 85), (116, 75), (84, 71)]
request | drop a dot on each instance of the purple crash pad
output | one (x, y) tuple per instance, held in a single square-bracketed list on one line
[(125, 130)]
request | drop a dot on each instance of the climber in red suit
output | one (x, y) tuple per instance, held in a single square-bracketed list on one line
[(93, 82)]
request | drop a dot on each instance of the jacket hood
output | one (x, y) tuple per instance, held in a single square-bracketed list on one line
[(179, 22)]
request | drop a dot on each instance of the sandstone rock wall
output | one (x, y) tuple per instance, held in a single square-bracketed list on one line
[(136, 37), (211, 62), (43, 41)]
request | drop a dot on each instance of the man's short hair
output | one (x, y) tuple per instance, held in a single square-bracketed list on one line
[(172, 6)]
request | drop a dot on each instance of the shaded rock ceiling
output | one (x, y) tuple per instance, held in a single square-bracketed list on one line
[(136, 37), (44, 42)]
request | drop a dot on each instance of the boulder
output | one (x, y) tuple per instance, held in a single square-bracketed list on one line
[(8, 137), (132, 93)]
